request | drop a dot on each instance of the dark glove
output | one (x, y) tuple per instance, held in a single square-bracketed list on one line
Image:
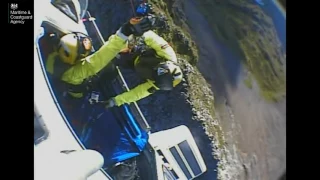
[(110, 103), (136, 26)]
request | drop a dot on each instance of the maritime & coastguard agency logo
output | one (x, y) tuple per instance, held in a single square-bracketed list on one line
[(14, 6), (17, 16)]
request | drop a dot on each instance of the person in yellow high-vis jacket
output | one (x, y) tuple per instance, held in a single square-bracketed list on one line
[(157, 65), (160, 70)]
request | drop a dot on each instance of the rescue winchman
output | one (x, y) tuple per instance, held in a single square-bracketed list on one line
[(74, 64)]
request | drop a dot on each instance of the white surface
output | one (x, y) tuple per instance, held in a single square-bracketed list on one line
[(77, 165), (47, 153)]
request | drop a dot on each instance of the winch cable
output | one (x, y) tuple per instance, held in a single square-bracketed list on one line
[(132, 6)]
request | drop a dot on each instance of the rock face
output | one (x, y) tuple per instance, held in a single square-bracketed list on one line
[(110, 15)]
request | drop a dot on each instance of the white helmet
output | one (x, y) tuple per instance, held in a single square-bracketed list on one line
[(168, 75)]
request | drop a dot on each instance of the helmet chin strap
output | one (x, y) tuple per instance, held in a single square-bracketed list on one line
[(175, 74), (174, 70)]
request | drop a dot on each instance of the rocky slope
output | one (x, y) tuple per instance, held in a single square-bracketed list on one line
[(244, 27), (242, 58)]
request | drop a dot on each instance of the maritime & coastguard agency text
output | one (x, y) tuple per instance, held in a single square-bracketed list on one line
[(19, 17)]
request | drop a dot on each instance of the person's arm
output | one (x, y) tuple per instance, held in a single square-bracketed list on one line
[(97, 61), (139, 92), (160, 45)]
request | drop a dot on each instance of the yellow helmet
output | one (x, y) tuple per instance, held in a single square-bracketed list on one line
[(73, 47)]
